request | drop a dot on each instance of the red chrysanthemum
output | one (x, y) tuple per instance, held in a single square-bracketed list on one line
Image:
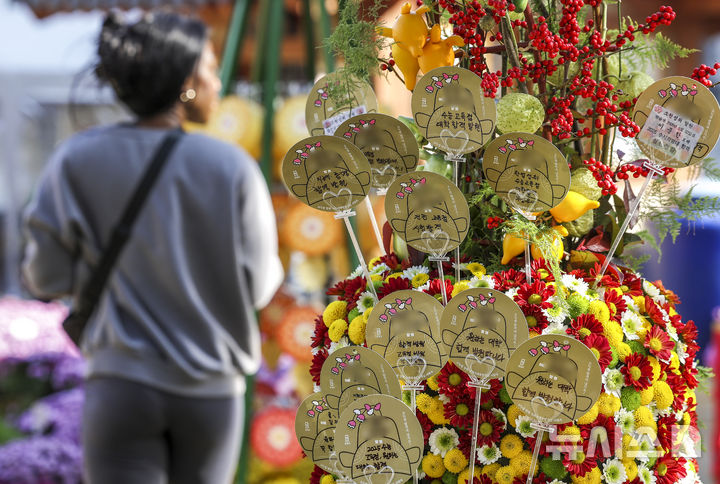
[(688, 331), (664, 431), (669, 469), (637, 371), (488, 396), (320, 336), (349, 290), (317, 363), (535, 294), (392, 285), (600, 347), (631, 284), (689, 375), (508, 279), (393, 262), (536, 319), (583, 326), (435, 288), (609, 279), (316, 475), (489, 428), (673, 298), (460, 413), (616, 304), (579, 463), (653, 310), (540, 270), (590, 433), (659, 343), (425, 423), (452, 380)]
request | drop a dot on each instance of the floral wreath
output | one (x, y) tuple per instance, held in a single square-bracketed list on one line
[(545, 349), (673, 91), (342, 363), (408, 187), (360, 414), (471, 303), (515, 145), (304, 153), (319, 406), (354, 128), (322, 96), (439, 82), (393, 308)]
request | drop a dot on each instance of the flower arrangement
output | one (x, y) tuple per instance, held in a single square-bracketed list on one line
[(559, 70)]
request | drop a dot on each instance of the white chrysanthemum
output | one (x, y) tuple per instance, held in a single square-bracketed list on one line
[(672, 332), (366, 301), (555, 328), (645, 475), (574, 284), (650, 288), (341, 343), (625, 419), (413, 271), (500, 415), (425, 287), (316, 388), (488, 454), (512, 292), (661, 299), (681, 349), (443, 440), (631, 324), (357, 272), (379, 268), (484, 281), (462, 266), (645, 449), (613, 381), (614, 471), (558, 312), (523, 426), (555, 481), (631, 305), (443, 398)]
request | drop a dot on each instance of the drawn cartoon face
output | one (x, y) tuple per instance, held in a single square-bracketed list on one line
[(385, 160), (326, 110), (410, 336), (356, 381), (315, 427), (454, 97), (522, 176)]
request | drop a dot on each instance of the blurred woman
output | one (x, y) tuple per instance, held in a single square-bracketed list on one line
[(174, 331)]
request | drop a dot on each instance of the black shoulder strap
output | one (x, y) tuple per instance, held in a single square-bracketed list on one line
[(90, 293)]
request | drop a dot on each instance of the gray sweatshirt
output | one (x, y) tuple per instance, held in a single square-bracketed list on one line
[(178, 309)]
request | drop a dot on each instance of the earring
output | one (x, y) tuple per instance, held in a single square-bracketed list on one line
[(188, 95)]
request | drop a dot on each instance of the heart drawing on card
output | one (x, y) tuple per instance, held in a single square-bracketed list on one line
[(330, 198), (524, 200)]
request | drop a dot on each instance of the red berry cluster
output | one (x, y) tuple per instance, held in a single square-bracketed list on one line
[(702, 74), (603, 174), (624, 171), (494, 222), (387, 65)]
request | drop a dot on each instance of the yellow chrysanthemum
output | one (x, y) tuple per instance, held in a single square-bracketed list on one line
[(478, 270), (419, 279), (373, 262), (674, 361), (513, 412), (571, 430), (623, 351), (366, 314), (690, 395), (629, 444), (613, 332), (424, 402), (459, 287), (644, 418), (521, 463), (463, 476), (356, 330), (455, 460), (327, 479), (600, 310), (432, 383), (592, 477), (505, 475), (663, 395), (511, 445), (337, 330), (376, 277), (393, 276), (491, 469), (656, 369), (631, 469), (334, 311), (646, 396), (589, 416), (608, 405), (433, 466), (436, 414)]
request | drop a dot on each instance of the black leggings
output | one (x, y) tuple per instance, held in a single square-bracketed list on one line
[(135, 434)]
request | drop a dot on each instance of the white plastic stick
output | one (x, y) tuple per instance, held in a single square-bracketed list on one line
[(376, 229), (441, 274), (536, 454), (346, 217), (528, 267)]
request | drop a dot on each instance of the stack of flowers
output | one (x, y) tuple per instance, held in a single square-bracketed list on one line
[(639, 429)]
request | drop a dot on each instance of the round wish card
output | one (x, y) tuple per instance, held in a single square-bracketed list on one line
[(354, 372), (404, 328), (387, 143), (324, 113), (527, 171), (553, 378), (428, 212), (679, 121), (327, 173), (451, 110), (379, 440), (481, 328), (315, 425)]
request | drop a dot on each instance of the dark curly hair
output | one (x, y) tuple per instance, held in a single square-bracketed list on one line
[(148, 62)]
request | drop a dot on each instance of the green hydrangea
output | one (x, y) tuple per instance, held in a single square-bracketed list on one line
[(634, 85), (583, 182), (505, 396), (449, 478), (630, 398), (553, 468), (577, 305), (519, 112), (613, 363), (637, 347), (353, 313), (581, 225)]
